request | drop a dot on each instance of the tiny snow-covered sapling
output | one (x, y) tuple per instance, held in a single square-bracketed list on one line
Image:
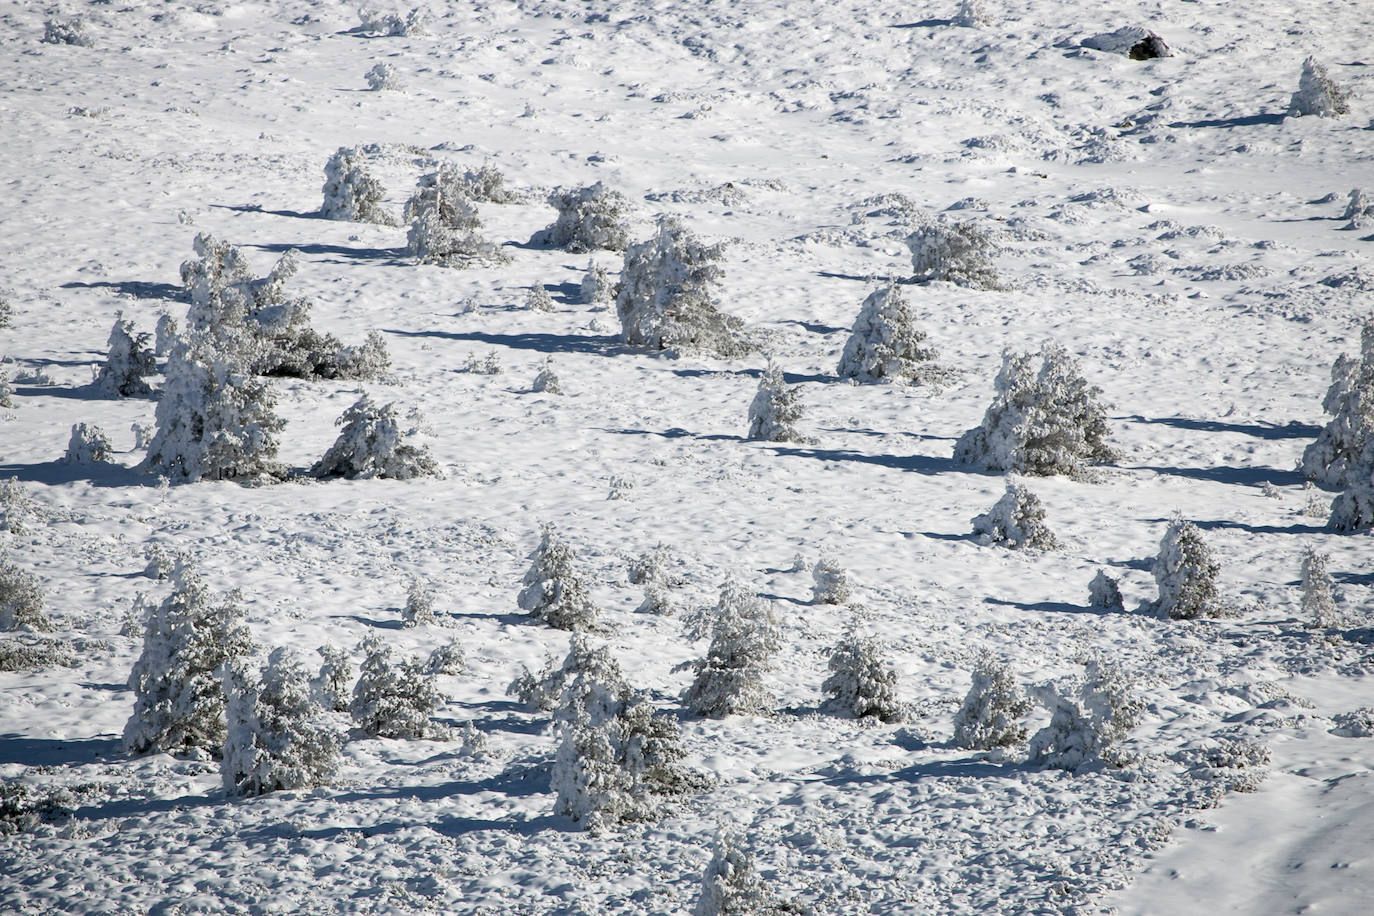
[(21, 600), (539, 300), (731, 884), (862, 682), (392, 699), (384, 76), (1104, 592), (130, 361), (830, 582), (333, 685), (1334, 456), (374, 443), (744, 640), (1318, 602), (775, 409), (419, 607), (1318, 94), (959, 253), (547, 381), (886, 344), (88, 445), (1017, 520)]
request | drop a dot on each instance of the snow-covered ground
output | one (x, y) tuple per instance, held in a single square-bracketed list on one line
[(1161, 219)]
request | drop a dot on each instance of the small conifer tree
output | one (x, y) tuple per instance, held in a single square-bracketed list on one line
[(731, 884), (275, 739), (990, 716), (374, 443), (862, 682), (830, 582), (21, 600), (1087, 722), (1105, 592), (1041, 421), (1339, 447), (1318, 602), (1017, 520), (6, 389), (652, 570), (419, 607), (589, 218), (392, 699), (547, 381), (554, 592), (178, 693), (959, 253), (886, 344), (1186, 574), (350, 192), (775, 410), (667, 294), (87, 445), (744, 639), (597, 287), (333, 685), (130, 361), (1353, 509), (1318, 95)]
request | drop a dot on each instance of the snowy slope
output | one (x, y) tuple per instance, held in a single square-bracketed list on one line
[(1160, 219)]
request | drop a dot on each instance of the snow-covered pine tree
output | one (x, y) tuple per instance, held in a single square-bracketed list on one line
[(1186, 574), (1068, 741), (178, 693), (652, 570), (1041, 422), (275, 738), (970, 15), (334, 683), (959, 253), (1318, 602), (554, 592), (1086, 723), (71, 31), (1017, 520), (830, 582), (667, 294), (21, 600), (544, 690), (1349, 400), (744, 639), (350, 192), (88, 445), (1353, 509), (373, 443), (862, 682), (165, 334), (447, 658), (384, 77), (1105, 592), (1359, 209), (775, 410), (990, 716), (392, 699), (419, 607), (1318, 94), (589, 219), (597, 286), (6, 389), (130, 361), (445, 230), (731, 884), (547, 381), (887, 344)]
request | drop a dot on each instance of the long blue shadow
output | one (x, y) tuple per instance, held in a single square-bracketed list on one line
[(139, 289), (1253, 120), (99, 474), (1252, 476), (542, 343), (34, 752), (1290, 430)]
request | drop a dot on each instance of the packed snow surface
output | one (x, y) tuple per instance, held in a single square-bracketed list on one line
[(1169, 222)]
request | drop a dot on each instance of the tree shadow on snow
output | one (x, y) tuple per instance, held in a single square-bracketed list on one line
[(1289, 430), (1054, 607), (100, 474), (139, 289), (813, 327), (369, 622), (393, 255), (542, 343), (1251, 476), (920, 464), (791, 378), (54, 752), (1253, 120), (925, 24), (79, 393), (1222, 523), (254, 208)]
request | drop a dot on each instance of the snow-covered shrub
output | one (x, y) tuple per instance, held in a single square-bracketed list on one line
[(547, 381), (487, 183), (486, 365), (1318, 602), (129, 362), (862, 682), (990, 716), (447, 659), (667, 293), (178, 693), (67, 32), (1186, 574), (651, 570), (87, 445), (333, 685), (1069, 741), (597, 286), (384, 76), (165, 334), (6, 389), (1112, 698), (215, 419), (392, 699), (419, 607), (886, 344), (775, 410), (539, 300), (1041, 421), (1353, 509), (591, 664), (274, 737), (1360, 209), (1086, 724), (970, 15), (1358, 723), (1016, 520), (1350, 402), (1318, 94), (21, 600), (379, 23), (452, 192), (589, 219), (616, 756), (1104, 592), (452, 241), (829, 582), (16, 505), (959, 253), (554, 592), (373, 443), (744, 638), (1131, 41), (6, 311), (731, 884), (350, 193)]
